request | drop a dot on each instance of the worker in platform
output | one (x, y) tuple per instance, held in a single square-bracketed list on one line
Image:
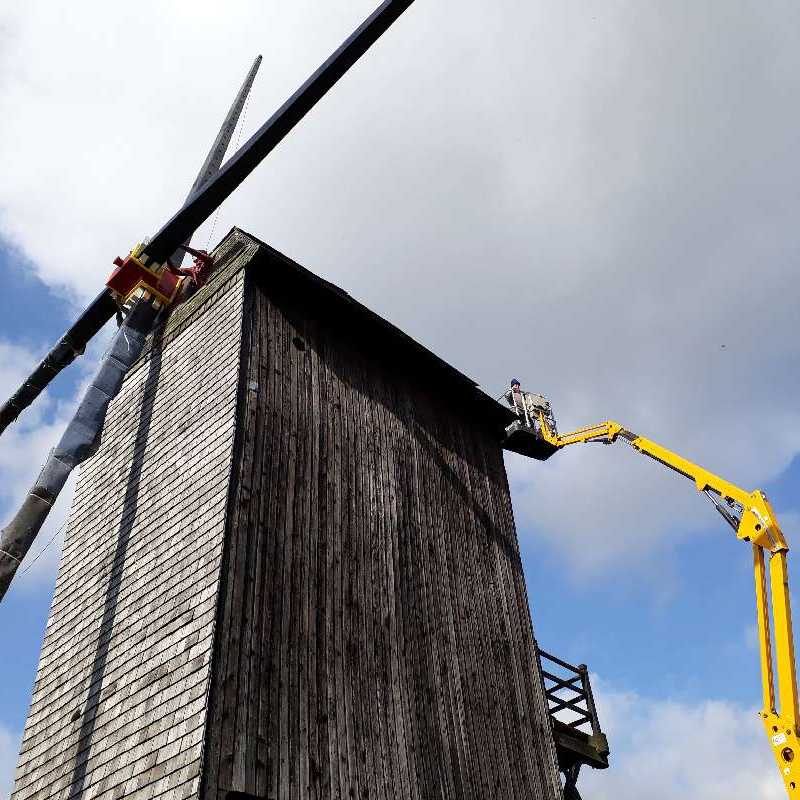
[(528, 406)]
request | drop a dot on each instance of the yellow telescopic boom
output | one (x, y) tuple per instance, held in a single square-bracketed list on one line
[(752, 517)]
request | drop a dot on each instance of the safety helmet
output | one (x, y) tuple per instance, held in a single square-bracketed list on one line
[(515, 381)]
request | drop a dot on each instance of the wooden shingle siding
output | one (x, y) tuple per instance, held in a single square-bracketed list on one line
[(374, 638), (118, 707), (290, 570)]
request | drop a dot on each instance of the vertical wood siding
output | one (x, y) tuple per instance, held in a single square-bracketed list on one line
[(118, 707), (290, 570), (374, 638)]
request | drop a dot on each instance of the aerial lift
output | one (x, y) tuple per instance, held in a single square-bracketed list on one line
[(753, 520)]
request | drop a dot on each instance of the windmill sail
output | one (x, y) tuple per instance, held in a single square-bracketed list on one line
[(103, 307), (81, 433)]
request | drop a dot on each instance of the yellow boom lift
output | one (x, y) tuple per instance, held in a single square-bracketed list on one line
[(752, 517)]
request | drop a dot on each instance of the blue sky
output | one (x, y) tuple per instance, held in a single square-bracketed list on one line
[(599, 200), (31, 315), (686, 635)]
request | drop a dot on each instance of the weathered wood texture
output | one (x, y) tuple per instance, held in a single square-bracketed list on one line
[(290, 570), (374, 637), (118, 703)]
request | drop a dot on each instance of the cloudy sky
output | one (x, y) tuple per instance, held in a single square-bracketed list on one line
[(599, 198)]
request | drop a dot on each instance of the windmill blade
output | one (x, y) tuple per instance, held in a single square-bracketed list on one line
[(202, 204), (217, 152), (103, 307), (68, 348), (80, 436), (77, 442), (207, 197)]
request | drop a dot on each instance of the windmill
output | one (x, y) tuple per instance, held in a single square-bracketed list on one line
[(104, 306), (149, 281), (383, 644)]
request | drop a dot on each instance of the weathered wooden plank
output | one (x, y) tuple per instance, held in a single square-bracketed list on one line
[(275, 415), (314, 632), (254, 762), (330, 605), (372, 761), (326, 712)]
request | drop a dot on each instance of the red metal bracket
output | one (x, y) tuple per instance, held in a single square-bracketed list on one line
[(131, 274)]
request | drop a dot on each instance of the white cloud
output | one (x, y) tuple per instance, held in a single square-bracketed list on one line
[(596, 200), (604, 507), (668, 750), (9, 750)]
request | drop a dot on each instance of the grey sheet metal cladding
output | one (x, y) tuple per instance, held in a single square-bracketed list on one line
[(77, 442)]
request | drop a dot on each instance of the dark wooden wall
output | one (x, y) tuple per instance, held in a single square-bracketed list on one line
[(119, 705), (373, 635)]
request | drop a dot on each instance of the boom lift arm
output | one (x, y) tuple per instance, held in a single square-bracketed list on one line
[(753, 520)]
